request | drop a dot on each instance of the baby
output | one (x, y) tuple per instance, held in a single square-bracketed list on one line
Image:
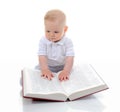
[(56, 51)]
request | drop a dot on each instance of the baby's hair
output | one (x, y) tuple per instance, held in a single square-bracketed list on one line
[(55, 14)]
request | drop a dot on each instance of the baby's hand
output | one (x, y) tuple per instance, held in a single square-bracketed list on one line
[(47, 74), (64, 75)]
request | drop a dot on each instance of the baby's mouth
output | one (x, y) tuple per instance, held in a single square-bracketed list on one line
[(53, 39)]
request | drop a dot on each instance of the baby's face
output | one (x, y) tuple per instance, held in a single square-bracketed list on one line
[(54, 31)]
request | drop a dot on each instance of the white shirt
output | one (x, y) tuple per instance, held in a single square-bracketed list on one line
[(56, 52)]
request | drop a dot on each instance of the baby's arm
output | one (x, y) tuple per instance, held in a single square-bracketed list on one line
[(64, 75), (46, 73)]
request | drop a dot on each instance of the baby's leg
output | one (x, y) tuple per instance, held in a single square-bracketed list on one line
[(52, 68), (37, 67), (56, 68)]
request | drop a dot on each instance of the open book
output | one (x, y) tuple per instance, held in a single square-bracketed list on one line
[(83, 81)]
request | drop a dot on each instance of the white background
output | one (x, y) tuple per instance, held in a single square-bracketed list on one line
[(94, 27)]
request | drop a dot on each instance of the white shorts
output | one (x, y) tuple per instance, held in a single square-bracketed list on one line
[(52, 68)]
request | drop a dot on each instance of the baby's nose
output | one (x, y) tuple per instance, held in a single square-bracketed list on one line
[(52, 34)]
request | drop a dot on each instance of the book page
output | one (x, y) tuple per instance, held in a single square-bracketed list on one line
[(82, 77), (38, 84)]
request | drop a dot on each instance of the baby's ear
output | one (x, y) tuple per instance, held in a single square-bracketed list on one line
[(65, 28)]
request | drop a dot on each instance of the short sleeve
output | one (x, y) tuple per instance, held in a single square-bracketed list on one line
[(42, 47), (69, 48)]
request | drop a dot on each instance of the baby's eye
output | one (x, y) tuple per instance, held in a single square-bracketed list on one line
[(56, 32), (48, 31)]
